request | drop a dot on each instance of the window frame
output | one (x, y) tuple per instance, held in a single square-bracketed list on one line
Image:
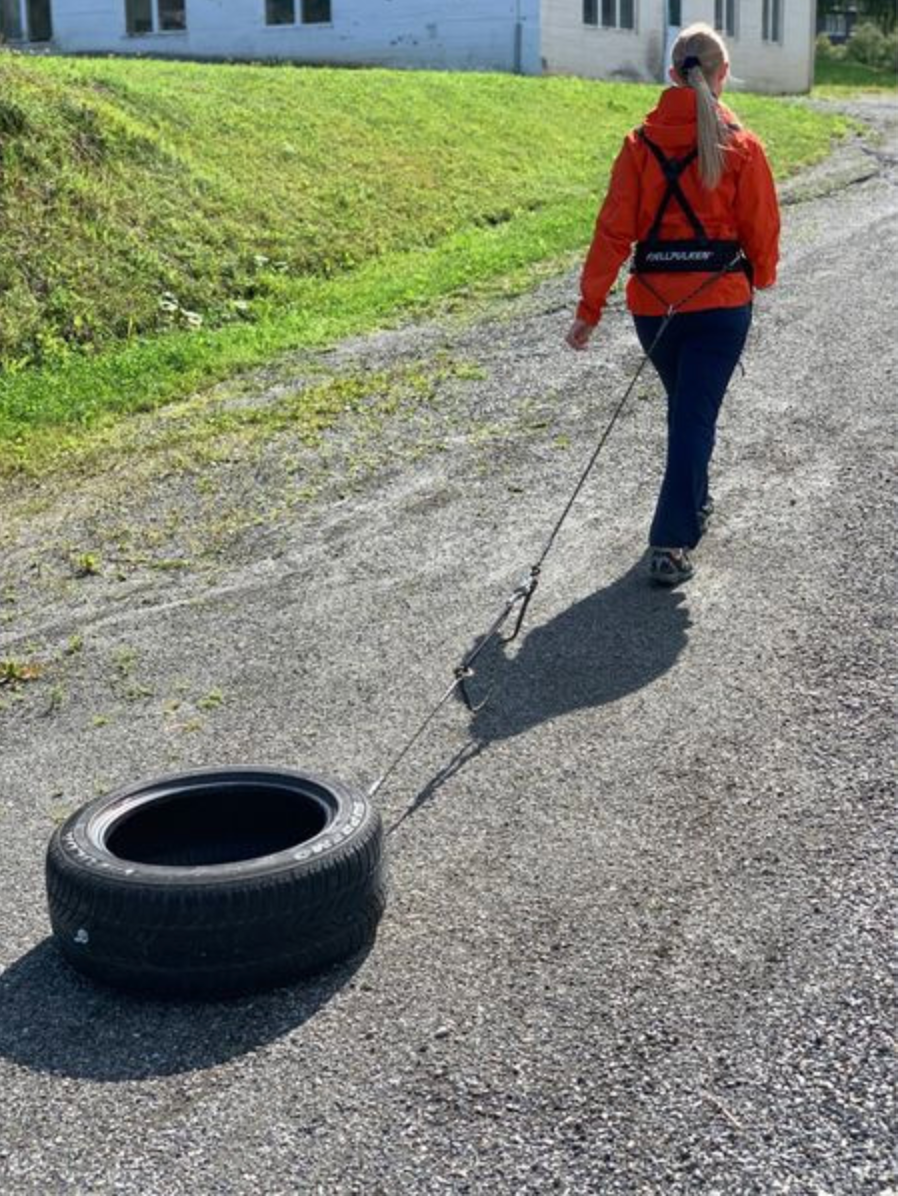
[(157, 30), (24, 37), (772, 21), (726, 17), (594, 13), (299, 21), (19, 35), (279, 24)]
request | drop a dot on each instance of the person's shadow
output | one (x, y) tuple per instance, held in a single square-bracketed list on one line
[(606, 646), (54, 1020), (613, 643)]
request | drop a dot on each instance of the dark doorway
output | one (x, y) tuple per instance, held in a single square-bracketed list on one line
[(40, 21)]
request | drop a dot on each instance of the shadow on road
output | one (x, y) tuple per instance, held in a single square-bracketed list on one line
[(53, 1020), (613, 643), (610, 644)]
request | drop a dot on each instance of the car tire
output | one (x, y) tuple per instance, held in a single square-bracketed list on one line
[(216, 882)]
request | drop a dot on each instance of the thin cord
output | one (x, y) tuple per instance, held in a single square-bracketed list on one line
[(524, 592), (397, 760)]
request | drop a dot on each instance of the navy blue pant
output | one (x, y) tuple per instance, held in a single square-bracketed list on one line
[(695, 359)]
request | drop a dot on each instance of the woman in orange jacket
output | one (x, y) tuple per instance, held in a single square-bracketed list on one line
[(693, 191)]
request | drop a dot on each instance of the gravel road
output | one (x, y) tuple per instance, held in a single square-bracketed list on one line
[(640, 936)]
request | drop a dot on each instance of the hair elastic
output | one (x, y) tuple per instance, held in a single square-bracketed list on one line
[(689, 62)]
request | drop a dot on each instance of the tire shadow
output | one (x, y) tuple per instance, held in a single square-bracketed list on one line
[(54, 1020)]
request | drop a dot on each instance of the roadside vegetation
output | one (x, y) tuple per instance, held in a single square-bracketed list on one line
[(867, 62), (167, 224)]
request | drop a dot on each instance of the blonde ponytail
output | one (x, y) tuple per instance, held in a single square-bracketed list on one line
[(697, 56)]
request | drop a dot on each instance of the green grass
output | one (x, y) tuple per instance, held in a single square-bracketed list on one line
[(167, 224), (837, 78)]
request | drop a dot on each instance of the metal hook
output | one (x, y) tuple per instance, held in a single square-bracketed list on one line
[(526, 592), (462, 675), (464, 672)]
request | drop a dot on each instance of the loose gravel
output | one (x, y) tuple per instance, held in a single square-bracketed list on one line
[(640, 936)]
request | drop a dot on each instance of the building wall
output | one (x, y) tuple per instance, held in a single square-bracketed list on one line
[(462, 35), (503, 35), (571, 47), (770, 66)]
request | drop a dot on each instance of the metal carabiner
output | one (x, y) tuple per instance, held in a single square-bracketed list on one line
[(464, 672), (525, 592)]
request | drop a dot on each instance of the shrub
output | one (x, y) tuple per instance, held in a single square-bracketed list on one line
[(869, 45), (826, 51)]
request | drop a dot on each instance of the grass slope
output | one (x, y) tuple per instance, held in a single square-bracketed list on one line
[(164, 224), (842, 78)]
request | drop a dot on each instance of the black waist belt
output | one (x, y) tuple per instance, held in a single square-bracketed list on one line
[(675, 257), (700, 252)]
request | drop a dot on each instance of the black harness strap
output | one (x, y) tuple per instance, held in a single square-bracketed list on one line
[(672, 168), (700, 253)]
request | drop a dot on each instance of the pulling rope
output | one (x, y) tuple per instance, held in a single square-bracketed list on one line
[(523, 593)]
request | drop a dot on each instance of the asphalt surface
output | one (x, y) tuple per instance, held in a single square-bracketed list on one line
[(640, 936)]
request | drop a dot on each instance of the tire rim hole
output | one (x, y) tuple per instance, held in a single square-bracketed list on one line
[(218, 824)]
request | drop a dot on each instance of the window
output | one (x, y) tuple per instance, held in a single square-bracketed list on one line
[(139, 16), (172, 15), (11, 27), (674, 13), (155, 16), (280, 12), (284, 12), (25, 20), (725, 17), (616, 14), (315, 12), (772, 20)]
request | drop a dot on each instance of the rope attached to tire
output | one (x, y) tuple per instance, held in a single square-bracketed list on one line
[(220, 881), (520, 598)]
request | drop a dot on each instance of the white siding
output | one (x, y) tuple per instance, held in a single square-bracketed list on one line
[(571, 47), (770, 66), (531, 35), (457, 35)]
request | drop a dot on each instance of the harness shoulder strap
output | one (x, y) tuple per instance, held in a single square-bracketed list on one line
[(672, 168)]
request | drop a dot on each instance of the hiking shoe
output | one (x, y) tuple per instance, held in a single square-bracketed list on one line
[(670, 566), (705, 512)]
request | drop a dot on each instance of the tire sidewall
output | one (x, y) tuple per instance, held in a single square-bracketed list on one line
[(81, 840)]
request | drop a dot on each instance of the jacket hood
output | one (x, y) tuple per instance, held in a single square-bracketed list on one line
[(672, 123)]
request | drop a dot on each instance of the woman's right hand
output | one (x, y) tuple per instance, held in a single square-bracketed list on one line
[(579, 334)]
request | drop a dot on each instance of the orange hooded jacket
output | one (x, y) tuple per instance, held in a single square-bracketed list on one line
[(743, 207)]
